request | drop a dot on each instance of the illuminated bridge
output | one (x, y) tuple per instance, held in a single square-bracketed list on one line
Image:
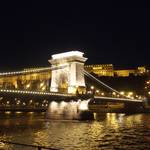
[(60, 82)]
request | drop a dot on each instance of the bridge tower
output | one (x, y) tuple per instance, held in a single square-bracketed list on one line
[(67, 72)]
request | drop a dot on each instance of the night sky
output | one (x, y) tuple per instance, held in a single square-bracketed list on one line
[(107, 32)]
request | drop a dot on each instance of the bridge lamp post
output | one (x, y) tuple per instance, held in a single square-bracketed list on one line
[(102, 94), (23, 103), (114, 94), (130, 95), (97, 91), (92, 89), (122, 93)]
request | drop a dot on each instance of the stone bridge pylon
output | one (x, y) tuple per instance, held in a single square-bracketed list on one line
[(68, 72)]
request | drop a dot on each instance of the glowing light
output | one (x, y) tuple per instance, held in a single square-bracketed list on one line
[(102, 94), (31, 101), (83, 105), (43, 88), (122, 92), (67, 54), (18, 112), (8, 112), (72, 90), (92, 87), (89, 92), (130, 93), (41, 84), (24, 103), (97, 91), (113, 93), (28, 85)]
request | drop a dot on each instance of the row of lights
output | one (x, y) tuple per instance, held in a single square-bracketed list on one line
[(147, 87), (126, 94), (25, 71), (122, 99), (18, 102), (33, 92), (28, 71)]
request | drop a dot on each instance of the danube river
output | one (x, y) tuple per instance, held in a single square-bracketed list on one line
[(107, 131)]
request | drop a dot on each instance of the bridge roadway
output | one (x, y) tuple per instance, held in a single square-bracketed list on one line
[(114, 99), (69, 97)]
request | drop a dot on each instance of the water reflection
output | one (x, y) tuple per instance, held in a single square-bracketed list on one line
[(66, 110), (108, 131)]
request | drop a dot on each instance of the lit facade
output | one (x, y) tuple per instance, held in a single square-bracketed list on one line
[(124, 73), (108, 70), (100, 69)]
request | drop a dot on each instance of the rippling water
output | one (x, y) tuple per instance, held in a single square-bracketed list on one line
[(108, 131)]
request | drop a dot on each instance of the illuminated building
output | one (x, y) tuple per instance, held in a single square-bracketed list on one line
[(133, 71), (100, 69), (108, 70), (124, 73)]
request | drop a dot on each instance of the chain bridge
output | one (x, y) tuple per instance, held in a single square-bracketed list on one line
[(63, 81)]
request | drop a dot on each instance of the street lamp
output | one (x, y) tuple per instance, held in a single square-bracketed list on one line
[(92, 87)]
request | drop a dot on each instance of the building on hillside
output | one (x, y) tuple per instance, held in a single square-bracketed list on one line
[(111, 71), (124, 72), (100, 69)]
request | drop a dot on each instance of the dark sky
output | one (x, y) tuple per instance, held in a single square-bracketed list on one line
[(106, 32)]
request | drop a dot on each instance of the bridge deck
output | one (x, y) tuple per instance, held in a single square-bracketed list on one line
[(112, 99)]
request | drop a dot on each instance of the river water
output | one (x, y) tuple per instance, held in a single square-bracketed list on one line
[(108, 131)]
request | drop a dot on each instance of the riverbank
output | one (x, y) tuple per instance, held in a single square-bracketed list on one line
[(117, 109)]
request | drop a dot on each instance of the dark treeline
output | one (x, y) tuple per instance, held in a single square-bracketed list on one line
[(131, 83)]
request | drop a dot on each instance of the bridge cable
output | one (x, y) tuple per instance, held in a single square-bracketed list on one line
[(102, 83), (31, 70)]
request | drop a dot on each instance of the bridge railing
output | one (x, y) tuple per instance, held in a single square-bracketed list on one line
[(38, 147)]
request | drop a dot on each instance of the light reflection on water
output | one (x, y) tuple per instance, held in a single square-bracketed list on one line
[(66, 110), (108, 131)]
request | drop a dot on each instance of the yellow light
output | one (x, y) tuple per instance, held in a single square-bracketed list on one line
[(28, 85), (97, 91), (92, 87), (43, 88), (102, 94), (149, 92), (130, 93), (67, 54), (122, 92), (24, 103), (41, 84), (7, 112), (114, 93)]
